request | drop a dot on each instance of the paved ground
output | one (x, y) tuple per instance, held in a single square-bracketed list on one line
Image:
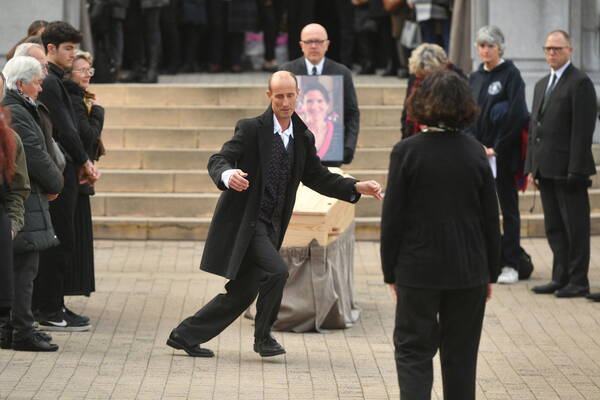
[(533, 347)]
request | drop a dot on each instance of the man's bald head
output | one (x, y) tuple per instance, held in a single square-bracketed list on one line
[(281, 75), (283, 92), (313, 28), (314, 43)]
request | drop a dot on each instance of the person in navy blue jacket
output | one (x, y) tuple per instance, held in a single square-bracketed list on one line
[(500, 94)]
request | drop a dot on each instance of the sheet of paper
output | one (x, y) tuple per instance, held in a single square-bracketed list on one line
[(492, 161)]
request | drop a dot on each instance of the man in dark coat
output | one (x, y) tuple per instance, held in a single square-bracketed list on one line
[(259, 170), (314, 44), (559, 158)]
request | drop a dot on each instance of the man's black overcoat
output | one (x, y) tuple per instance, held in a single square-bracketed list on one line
[(236, 213)]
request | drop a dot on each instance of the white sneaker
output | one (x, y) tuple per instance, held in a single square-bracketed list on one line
[(508, 275)]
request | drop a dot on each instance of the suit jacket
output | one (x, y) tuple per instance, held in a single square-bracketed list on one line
[(236, 213), (560, 137), (351, 112)]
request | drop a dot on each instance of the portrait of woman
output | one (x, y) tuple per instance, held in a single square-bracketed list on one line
[(316, 109)]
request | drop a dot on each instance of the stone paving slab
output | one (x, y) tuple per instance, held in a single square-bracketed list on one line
[(533, 347)]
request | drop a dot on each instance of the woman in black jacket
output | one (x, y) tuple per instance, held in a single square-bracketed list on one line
[(500, 94), (23, 80), (439, 240), (79, 279)]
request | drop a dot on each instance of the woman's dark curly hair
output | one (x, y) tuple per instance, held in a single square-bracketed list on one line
[(444, 99)]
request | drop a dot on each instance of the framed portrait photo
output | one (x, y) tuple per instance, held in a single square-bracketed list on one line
[(321, 107)]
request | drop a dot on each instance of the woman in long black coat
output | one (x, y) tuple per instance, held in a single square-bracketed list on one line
[(79, 280), (440, 240)]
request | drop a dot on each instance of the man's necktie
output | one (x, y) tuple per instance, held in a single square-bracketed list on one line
[(548, 92), (314, 70)]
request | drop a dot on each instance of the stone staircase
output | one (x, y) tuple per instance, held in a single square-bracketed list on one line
[(159, 138)]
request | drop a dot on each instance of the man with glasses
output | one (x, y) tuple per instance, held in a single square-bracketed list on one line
[(560, 162), (314, 45)]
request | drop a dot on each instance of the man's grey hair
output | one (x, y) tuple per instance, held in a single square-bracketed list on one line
[(491, 35), (21, 68), (23, 49)]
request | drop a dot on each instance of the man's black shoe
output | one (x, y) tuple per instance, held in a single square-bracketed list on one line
[(175, 341), (548, 288), (44, 336), (33, 342), (572, 291), (60, 322), (594, 296), (71, 316), (268, 347)]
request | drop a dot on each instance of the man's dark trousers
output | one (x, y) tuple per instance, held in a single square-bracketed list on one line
[(263, 272), (48, 289), (567, 223)]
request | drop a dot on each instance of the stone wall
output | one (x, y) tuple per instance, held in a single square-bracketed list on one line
[(16, 16)]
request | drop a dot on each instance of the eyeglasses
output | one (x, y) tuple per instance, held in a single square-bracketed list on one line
[(551, 49), (311, 42), (89, 71)]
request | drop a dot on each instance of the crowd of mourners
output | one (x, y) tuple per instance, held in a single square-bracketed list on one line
[(148, 37), (50, 127)]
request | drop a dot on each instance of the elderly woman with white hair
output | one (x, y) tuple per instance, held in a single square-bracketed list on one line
[(424, 60), (500, 93), (23, 82)]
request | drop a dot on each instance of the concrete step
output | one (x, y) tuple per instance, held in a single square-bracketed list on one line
[(155, 181), (225, 116), (191, 181), (367, 228), (183, 181), (224, 95), (153, 137), (136, 204), (367, 158)]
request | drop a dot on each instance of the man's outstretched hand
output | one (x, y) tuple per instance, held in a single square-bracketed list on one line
[(369, 188), (238, 181)]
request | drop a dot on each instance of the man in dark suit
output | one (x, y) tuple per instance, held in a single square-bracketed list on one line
[(560, 161), (314, 44), (259, 170)]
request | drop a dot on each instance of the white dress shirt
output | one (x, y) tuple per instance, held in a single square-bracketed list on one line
[(309, 66), (558, 74), (285, 138)]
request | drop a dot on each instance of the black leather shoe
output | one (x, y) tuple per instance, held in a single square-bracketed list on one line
[(548, 288), (572, 291), (175, 341), (33, 342), (268, 347), (593, 296)]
